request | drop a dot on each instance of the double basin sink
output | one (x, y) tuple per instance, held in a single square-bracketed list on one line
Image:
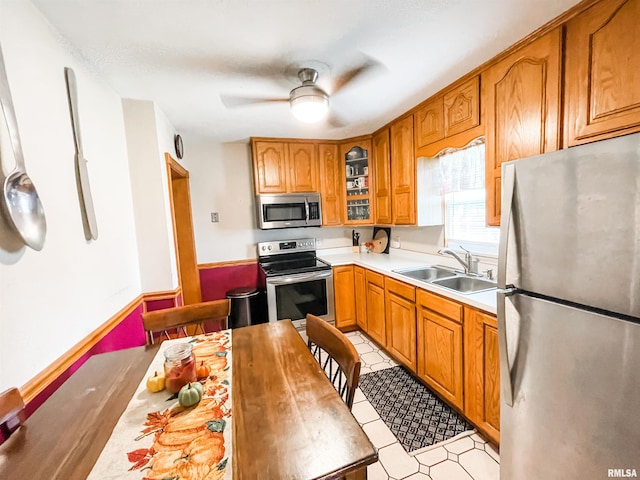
[(448, 278)]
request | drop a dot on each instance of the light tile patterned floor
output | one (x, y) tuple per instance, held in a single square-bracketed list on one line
[(465, 458)]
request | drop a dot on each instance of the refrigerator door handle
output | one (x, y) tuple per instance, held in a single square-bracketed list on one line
[(506, 381), (508, 186)]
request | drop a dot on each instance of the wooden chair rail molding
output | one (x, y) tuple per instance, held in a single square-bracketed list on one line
[(230, 263), (49, 375)]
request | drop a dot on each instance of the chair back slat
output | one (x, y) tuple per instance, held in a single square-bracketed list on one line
[(341, 355), (179, 318), (12, 413)]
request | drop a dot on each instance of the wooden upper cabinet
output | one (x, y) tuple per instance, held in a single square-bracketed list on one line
[(403, 174), (429, 122), (303, 167), (382, 179), (462, 107), (270, 167), (482, 372), (359, 206), (602, 94), (284, 167), (521, 98), (330, 184)]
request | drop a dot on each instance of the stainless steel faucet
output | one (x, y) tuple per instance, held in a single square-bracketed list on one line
[(470, 264)]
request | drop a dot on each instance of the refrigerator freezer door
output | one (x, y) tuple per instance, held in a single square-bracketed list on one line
[(576, 385), (572, 226)]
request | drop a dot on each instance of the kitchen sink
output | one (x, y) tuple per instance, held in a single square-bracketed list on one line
[(426, 274), (463, 284)]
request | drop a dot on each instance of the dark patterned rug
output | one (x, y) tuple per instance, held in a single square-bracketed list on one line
[(411, 411)]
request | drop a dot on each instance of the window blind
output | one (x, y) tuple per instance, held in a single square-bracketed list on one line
[(464, 197)]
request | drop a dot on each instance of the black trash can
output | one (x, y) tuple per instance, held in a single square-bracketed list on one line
[(245, 307)]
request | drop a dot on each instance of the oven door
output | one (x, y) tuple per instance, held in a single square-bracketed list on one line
[(291, 297)]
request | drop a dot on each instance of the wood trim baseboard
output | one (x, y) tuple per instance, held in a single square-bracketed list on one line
[(46, 377), (230, 263)]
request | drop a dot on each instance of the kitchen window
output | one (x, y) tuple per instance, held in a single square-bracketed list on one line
[(462, 173)]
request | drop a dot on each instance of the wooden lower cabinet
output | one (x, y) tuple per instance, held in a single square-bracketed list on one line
[(453, 348), (376, 326), (400, 309), (440, 346), (344, 296), (482, 372), (360, 287)]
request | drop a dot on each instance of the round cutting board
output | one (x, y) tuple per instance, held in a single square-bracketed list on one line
[(380, 241)]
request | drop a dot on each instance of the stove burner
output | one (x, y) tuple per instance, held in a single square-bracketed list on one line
[(292, 264)]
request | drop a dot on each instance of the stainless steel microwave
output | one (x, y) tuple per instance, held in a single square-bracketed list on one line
[(287, 210)]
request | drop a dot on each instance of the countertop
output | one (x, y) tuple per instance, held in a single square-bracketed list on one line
[(401, 259)]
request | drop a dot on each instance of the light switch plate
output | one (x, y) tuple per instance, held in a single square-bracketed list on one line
[(214, 217)]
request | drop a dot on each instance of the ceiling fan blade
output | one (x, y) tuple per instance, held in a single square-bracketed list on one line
[(336, 120), (348, 77), (231, 101)]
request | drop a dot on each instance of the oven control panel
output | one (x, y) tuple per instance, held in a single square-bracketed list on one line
[(286, 246)]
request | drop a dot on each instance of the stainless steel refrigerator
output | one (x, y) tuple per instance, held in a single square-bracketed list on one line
[(569, 314)]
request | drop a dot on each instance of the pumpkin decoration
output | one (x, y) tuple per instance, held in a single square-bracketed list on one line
[(190, 394), (155, 383), (203, 370)]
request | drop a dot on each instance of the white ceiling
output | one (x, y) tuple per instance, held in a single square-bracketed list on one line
[(183, 54)]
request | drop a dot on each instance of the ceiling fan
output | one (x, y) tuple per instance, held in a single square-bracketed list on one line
[(309, 102)]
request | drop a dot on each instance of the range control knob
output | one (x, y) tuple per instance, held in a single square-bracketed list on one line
[(263, 248), (269, 247)]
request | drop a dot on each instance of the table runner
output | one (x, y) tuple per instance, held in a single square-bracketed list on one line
[(157, 439)]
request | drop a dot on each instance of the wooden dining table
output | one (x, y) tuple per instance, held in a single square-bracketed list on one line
[(288, 420)]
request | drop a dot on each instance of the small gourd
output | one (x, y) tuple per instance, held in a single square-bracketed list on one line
[(155, 383), (190, 394), (203, 370)]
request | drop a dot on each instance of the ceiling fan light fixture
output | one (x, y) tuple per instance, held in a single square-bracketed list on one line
[(309, 103)]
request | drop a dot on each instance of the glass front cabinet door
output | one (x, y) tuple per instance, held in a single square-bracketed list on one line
[(357, 182)]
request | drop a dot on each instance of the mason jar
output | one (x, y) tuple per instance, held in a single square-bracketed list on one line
[(179, 366)]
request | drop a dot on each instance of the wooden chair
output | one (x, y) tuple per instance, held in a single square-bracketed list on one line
[(179, 318), (12, 413), (337, 356)]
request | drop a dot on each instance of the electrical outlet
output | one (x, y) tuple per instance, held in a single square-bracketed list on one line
[(214, 217)]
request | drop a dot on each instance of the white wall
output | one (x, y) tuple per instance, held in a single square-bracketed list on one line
[(50, 300), (165, 133), (146, 132), (221, 179)]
